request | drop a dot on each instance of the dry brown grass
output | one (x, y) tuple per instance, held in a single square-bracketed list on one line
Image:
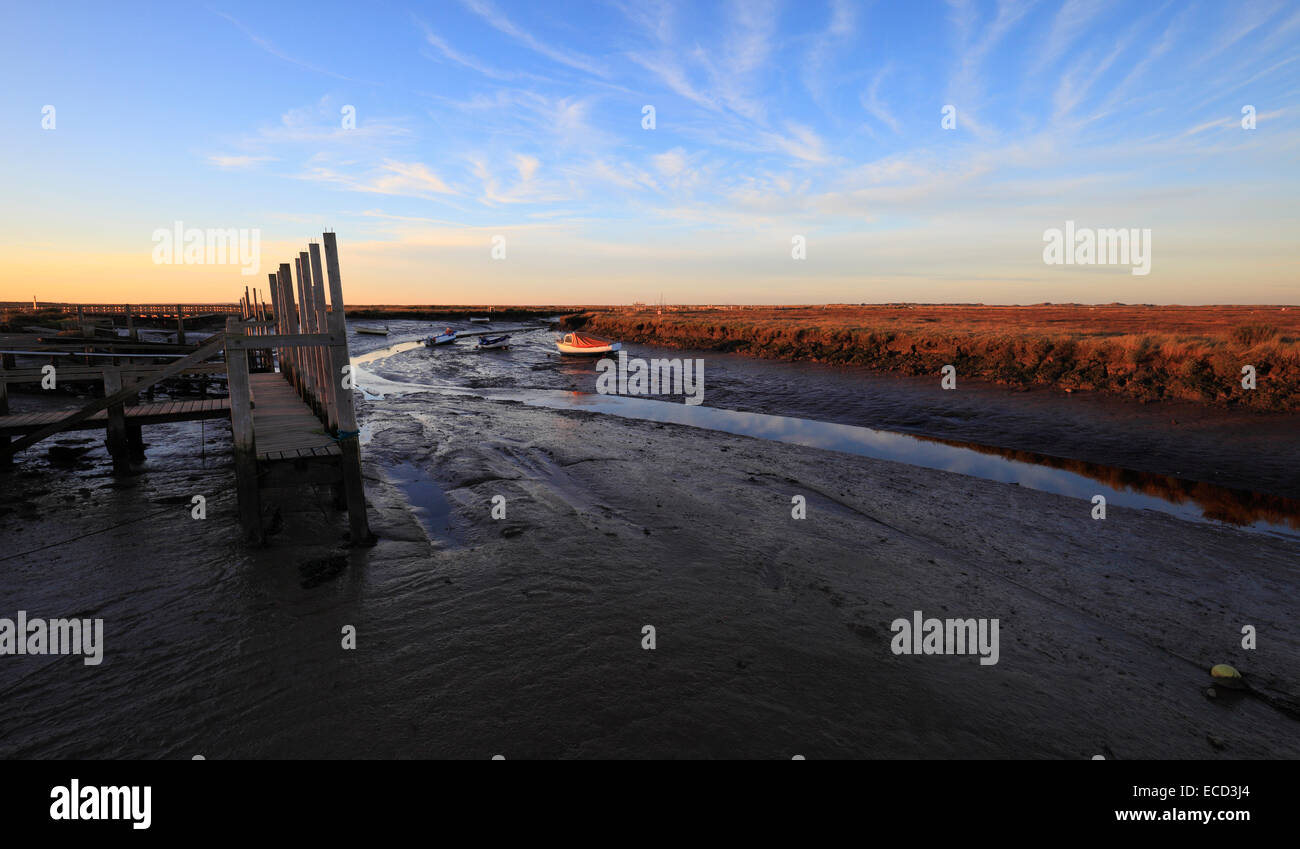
[(1146, 352)]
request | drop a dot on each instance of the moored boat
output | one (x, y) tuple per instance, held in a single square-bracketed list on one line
[(586, 344), (373, 331), (493, 343), (481, 320), (446, 337)]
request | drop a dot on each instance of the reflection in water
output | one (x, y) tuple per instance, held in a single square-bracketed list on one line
[(1187, 499)]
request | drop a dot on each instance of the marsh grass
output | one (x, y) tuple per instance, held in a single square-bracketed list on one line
[(1146, 352)]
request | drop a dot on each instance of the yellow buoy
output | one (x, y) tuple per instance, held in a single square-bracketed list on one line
[(1223, 670)]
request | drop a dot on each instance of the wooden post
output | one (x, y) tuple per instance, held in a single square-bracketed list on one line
[(308, 389), (245, 443), (348, 442), (290, 322), (117, 443), (331, 386), (130, 324), (180, 325), (315, 354), (278, 314)]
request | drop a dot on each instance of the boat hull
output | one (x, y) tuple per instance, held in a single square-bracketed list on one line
[(588, 351)]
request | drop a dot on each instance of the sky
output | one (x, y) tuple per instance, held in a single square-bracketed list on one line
[(494, 152)]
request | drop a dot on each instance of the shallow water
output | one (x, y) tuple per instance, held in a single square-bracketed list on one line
[(1239, 465), (427, 502)]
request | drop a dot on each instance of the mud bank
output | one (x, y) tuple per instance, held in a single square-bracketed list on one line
[(522, 635)]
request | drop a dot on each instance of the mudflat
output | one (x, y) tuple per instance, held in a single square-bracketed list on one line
[(523, 635)]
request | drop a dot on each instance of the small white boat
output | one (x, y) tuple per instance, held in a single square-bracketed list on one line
[(586, 344), (481, 320), (445, 338), (373, 331), (493, 343)]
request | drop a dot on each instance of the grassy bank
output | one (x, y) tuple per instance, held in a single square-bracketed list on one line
[(1145, 352)]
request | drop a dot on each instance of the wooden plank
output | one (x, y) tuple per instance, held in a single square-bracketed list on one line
[(69, 373), (294, 340)]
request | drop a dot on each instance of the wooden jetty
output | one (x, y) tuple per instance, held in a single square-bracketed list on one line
[(129, 313), (293, 419)]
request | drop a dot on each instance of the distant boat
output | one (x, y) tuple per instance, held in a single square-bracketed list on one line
[(481, 320), (586, 344), (373, 331), (445, 338), (493, 343)]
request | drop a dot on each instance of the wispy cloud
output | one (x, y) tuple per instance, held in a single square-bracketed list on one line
[(266, 45), (498, 21), (871, 101), (460, 58)]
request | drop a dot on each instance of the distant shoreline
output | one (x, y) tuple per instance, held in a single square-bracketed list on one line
[(1148, 353)]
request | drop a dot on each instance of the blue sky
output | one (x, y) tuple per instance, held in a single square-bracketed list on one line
[(479, 118)]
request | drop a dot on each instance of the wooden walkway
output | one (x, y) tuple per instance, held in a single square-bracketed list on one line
[(141, 414), (291, 428), (284, 427)]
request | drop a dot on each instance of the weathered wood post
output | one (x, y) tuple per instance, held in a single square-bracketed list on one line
[(316, 353), (290, 324), (130, 323), (180, 324), (308, 389), (348, 432), (117, 442), (277, 308), (331, 386), (245, 443)]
